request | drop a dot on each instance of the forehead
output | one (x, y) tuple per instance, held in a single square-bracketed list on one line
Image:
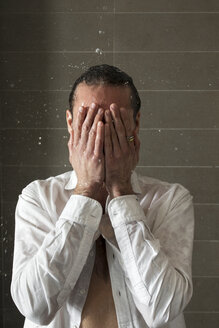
[(102, 94)]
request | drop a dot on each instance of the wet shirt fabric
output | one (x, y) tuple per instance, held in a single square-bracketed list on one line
[(149, 243)]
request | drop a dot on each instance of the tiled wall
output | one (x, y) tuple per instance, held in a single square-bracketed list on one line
[(171, 48)]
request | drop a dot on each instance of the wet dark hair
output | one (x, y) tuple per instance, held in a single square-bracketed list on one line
[(109, 75)]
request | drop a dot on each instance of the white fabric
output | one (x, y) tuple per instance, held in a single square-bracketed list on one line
[(149, 242)]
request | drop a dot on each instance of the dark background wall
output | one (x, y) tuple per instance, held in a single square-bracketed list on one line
[(171, 48)]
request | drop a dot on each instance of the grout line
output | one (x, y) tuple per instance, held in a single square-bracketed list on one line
[(163, 51), (106, 51), (206, 204), (167, 12), (34, 90), (207, 240), (28, 128), (177, 166), (177, 90), (105, 12), (205, 276), (201, 312), (176, 129), (139, 90), (141, 129)]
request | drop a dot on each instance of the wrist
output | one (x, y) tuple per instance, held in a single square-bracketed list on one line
[(93, 191), (120, 190)]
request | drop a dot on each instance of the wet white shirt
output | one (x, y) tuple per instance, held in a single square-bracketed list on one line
[(149, 242)]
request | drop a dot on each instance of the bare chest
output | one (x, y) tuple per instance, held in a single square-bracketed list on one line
[(99, 306)]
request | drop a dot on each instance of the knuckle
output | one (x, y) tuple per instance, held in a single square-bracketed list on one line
[(85, 128), (92, 132)]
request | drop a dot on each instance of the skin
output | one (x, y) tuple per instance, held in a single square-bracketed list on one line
[(99, 151)]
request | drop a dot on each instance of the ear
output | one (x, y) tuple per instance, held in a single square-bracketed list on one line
[(69, 121), (137, 124)]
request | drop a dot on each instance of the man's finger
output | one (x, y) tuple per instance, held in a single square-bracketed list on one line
[(88, 123), (99, 141), (71, 142), (137, 145), (126, 119), (79, 121), (113, 134), (119, 127), (107, 143), (93, 131)]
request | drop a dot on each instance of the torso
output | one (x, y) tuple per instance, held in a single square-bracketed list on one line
[(99, 308)]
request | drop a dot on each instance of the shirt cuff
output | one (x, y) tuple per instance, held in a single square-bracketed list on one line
[(83, 210), (125, 209)]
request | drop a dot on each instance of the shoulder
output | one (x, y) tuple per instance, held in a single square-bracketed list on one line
[(156, 190), (47, 185)]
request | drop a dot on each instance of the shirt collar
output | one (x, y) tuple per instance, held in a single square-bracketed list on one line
[(72, 182)]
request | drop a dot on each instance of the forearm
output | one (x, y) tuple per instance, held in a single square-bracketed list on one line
[(43, 276), (158, 277)]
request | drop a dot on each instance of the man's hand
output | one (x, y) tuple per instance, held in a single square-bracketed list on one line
[(86, 150), (121, 156)]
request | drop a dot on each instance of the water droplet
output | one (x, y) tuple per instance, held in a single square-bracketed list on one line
[(40, 137), (99, 51)]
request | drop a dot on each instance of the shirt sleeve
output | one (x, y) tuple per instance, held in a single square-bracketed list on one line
[(48, 258), (157, 265)]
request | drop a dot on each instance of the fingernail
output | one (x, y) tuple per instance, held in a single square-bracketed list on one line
[(113, 106), (93, 105), (100, 111), (80, 109)]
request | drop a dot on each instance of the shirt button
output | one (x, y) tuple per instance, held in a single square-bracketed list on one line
[(113, 255), (119, 293)]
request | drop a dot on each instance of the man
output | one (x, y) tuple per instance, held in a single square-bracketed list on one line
[(103, 246)]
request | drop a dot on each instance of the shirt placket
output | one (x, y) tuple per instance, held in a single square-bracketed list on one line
[(119, 290)]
